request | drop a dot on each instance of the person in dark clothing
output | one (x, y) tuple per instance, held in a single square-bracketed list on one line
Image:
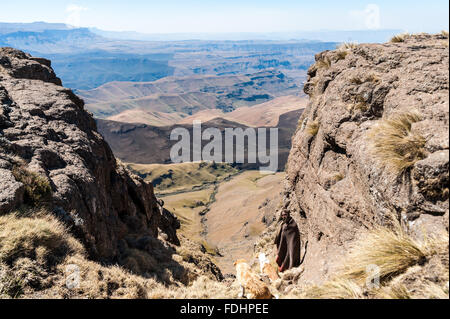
[(288, 243)]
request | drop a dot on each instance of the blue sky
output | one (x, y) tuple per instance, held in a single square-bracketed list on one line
[(183, 16)]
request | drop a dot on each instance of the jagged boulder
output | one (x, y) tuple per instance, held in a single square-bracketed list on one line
[(47, 137)]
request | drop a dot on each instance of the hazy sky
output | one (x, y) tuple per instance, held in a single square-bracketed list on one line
[(171, 16)]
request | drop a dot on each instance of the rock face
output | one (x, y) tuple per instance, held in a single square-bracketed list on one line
[(336, 187), (44, 129)]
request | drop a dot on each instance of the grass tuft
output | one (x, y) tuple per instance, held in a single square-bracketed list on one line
[(394, 144), (341, 54), (10, 285), (324, 63), (347, 46), (312, 128), (369, 78), (37, 189), (42, 238), (336, 289), (396, 291), (399, 38), (434, 291), (393, 251)]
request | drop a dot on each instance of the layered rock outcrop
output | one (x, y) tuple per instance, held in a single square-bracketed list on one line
[(46, 133), (337, 185)]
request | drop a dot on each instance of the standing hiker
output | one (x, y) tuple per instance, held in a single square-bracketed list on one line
[(288, 243)]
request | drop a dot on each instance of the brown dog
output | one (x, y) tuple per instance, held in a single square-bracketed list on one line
[(249, 281)]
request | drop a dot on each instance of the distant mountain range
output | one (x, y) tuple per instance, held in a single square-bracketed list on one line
[(85, 59), (6, 28), (360, 36)]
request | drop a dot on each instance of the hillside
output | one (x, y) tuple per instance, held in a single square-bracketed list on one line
[(178, 178), (65, 201), (259, 115), (367, 176), (366, 179), (134, 143), (185, 96)]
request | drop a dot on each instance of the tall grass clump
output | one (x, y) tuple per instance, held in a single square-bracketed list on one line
[(324, 63), (313, 128), (336, 289), (347, 45), (43, 238), (392, 250), (399, 38), (394, 144)]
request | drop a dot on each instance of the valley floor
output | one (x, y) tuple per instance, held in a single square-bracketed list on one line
[(232, 215)]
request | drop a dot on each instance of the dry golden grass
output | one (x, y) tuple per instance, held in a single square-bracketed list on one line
[(369, 78), (372, 78), (202, 288), (100, 282), (30, 247), (42, 238), (358, 103), (399, 291), (396, 291), (393, 251), (399, 37), (324, 63), (341, 54), (312, 128), (11, 286), (37, 188), (444, 33), (36, 249), (394, 144), (336, 289), (347, 46), (339, 177), (356, 80), (434, 291)]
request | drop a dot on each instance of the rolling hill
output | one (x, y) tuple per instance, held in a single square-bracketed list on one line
[(185, 96), (136, 143)]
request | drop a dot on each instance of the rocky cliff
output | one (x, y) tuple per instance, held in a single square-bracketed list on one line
[(52, 154), (372, 143)]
